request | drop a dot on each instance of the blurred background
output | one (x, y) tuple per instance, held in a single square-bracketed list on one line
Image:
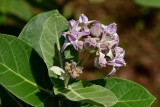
[(138, 24)]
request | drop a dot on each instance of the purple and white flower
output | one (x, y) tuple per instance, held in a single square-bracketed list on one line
[(117, 61), (91, 43), (100, 61), (111, 40), (96, 29), (74, 34), (111, 28), (83, 19)]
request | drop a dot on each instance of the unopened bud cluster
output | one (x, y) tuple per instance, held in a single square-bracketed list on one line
[(96, 38), (72, 69)]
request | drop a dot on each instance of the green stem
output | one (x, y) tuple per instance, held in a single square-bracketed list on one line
[(66, 81)]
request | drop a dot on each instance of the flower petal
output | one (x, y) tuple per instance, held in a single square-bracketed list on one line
[(96, 29), (112, 72), (66, 43), (119, 62), (111, 28), (83, 18), (74, 25), (73, 36), (100, 62)]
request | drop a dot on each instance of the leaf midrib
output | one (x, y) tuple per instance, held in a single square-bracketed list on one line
[(56, 37), (119, 99), (74, 92), (35, 85)]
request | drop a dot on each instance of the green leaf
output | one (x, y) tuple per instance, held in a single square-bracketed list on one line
[(43, 33), (23, 73), (90, 93), (16, 7), (149, 3), (129, 94)]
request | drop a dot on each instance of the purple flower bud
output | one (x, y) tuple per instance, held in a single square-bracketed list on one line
[(96, 29), (100, 62), (83, 18), (111, 28)]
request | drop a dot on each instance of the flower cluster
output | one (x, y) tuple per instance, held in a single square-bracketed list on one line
[(96, 38)]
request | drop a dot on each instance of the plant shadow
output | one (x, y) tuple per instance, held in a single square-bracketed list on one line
[(40, 74)]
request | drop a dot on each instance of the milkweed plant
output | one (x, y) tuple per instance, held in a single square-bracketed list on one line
[(42, 67)]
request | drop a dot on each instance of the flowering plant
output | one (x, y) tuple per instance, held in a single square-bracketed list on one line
[(41, 67)]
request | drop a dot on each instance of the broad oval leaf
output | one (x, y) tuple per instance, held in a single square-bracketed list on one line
[(43, 34), (19, 76), (149, 3), (129, 94), (89, 93)]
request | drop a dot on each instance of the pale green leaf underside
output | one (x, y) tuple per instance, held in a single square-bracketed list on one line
[(129, 94), (16, 73), (43, 33), (89, 93)]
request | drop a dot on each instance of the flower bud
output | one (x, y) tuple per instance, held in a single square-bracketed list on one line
[(111, 28), (83, 18), (96, 29), (73, 70)]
